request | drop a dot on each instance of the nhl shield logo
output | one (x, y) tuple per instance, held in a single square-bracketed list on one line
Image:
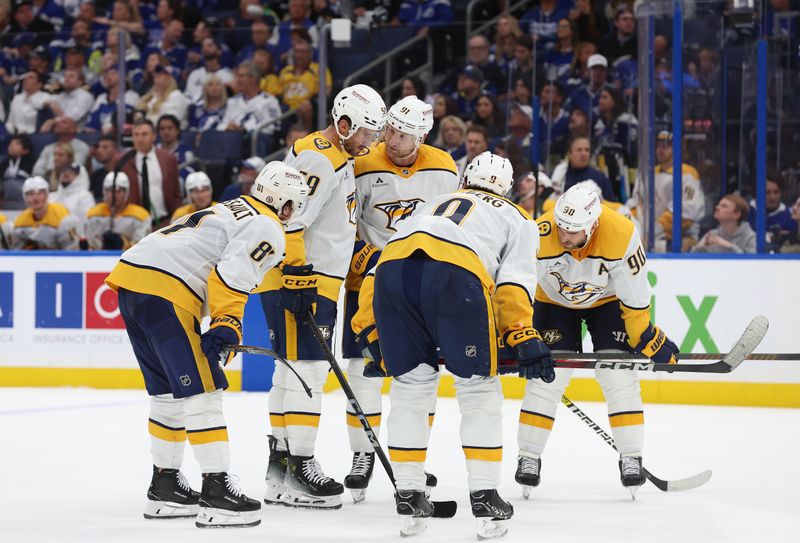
[(471, 351), (398, 210), (325, 331), (271, 335), (186, 380)]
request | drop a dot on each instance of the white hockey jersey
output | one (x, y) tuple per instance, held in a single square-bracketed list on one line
[(216, 256), (693, 206), (324, 231), (57, 229), (132, 223), (611, 268), (388, 194), (480, 232)]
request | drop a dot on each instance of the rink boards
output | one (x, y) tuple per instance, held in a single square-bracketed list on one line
[(60, 326)]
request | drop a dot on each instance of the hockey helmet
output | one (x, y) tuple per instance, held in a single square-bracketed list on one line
[(412, 116), (35, 183), (490, 172), (122, 181), (363, 106), (279, 183), (578, 209), (197, 180)]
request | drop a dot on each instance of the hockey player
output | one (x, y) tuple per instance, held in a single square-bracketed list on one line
[(131, 222), (591, 267), (198, 187), (393, 180), (454, 276), (211, 259), (319, 243), (43, 225), (5, 233)]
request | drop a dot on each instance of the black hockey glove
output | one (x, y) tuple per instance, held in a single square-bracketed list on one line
[(224, 331), (371, 350), (112, 241), (298, 293), (532, 354)]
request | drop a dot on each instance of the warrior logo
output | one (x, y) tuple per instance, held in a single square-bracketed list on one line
[(398, 210), (551, 336), (578, 293), (186, 380), (325, 331), (351, 207), (620, 337)]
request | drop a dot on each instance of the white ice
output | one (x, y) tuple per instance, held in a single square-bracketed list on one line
[(76, 466)]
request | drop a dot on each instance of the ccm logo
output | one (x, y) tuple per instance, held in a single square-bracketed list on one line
[(300, 283)]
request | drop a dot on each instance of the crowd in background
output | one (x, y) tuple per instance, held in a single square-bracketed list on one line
[(198, 68)]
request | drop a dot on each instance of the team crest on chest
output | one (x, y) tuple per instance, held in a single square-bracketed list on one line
[(398, 210), (581, 292), (351, 207)]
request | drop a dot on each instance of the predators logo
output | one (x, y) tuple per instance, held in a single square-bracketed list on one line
[(578, 293), (351, 207), (398, 210)]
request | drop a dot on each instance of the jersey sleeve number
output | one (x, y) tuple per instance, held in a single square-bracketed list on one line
[(455, 209), (193, 221), (636, 261), (264, 248), (312, 181)]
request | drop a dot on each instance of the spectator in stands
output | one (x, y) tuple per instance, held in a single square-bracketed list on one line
[(443, 106), (452, 133), (590, 23), (198, 189), (133, 55), (425, 13), (577, 168), (578, 124), (207, 28), (166, 12), (578, 73), (477, 141), (25, 106), (559, 59), (65, 129), (295, 132), (553, 121), (209, 113), (25, 20), (734, 234), (171, 47), (779, 217), (164, 98), (142, 79), (63, 155), (211, 66), (39, 62), (414, 86), (479, 56), (169, 134), (131, 222), (298, 17), (621, 43), (265, 62), (248, 171), (521, 92), (513, 152), (587, 96), (43, 225), (299, 82), (792, 242), (489, 116), (125, 16), (73, 191), (74, 101), (541, 23), (506, 37), (615, 127), (522, 66), (103, 116), (102, 154), (470, 82), (250, 108), (153, 174), (14, 170), (519, 128), (260, 33)]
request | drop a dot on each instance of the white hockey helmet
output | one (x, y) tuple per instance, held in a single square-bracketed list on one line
[(122, 181), (412, 116), (490, 172), (592, 185), (35, 183), (578, 209), (197, 180), (279, 183), (362, 105)]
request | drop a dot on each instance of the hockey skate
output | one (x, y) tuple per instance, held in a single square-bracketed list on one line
[(276, 474), (222, 504), (416, 509), (308, 486), (360, 474), (631, 473), (170, 496), (528, 472), (491, 513)]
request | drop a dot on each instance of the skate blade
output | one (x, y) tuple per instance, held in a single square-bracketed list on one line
[(158, 510), (412, 526), (633, 490), (526, 491), (490, 528), (210, 517), (275, 495), (359, 494), (306, 501)]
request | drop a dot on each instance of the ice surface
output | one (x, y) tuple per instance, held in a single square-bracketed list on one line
[(76, 466)]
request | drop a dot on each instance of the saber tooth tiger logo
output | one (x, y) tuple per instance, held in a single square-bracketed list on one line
[(398, 210), (351, 207), (578, 293)]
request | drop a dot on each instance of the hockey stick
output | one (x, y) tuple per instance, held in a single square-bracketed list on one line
[(681, 356), (252, 349), (676, 485), (441, 509), (750, 339)]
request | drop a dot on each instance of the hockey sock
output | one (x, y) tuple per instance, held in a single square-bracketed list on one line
[(166, 426), (368, 393), (480, 400), (623, 395), (207, 433), (277, 395), (302, 413), (538, 411)]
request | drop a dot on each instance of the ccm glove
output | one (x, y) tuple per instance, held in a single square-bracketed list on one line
[(298, 293), (112, 241), (656, 346), (532, 354), (371, 351), (224, 331)]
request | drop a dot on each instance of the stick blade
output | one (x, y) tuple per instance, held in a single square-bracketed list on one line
[(444, 509), (679, 485), (750, 339)]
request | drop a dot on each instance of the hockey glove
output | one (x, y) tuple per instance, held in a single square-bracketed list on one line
[(112, 241), (224, 331), (656, 346), (298, 293), (532, 354), (365, 257), (371, 350)]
